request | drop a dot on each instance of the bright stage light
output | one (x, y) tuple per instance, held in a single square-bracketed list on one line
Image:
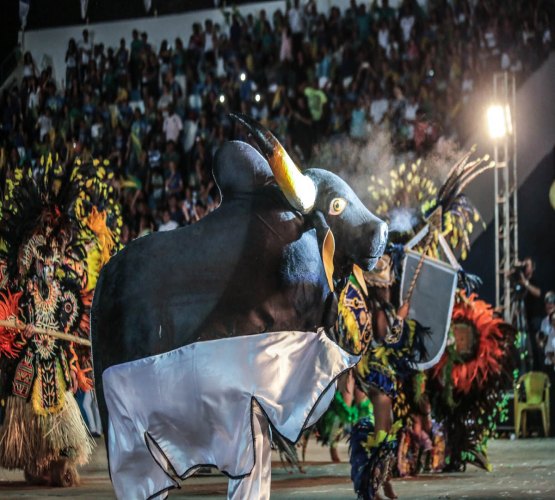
[(243, 77), (257, 97), (499, 121), (222, 98)]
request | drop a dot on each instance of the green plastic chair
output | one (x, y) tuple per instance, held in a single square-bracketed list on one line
[(536, 389)]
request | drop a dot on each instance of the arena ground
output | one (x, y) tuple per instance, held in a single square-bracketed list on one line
[(522, 469)]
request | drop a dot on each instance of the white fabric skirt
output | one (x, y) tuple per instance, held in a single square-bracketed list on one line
[(190, 407)]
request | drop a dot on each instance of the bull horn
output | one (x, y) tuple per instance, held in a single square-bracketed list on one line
[(298, 188)]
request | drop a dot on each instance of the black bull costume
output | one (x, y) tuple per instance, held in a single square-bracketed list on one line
[(251, 277)]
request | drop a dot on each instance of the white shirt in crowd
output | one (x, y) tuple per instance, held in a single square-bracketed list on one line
[(86, 50), (295, 20), (45, 124), (383, 39), (71, 62), (190, 128), (378, 109), (407, 22), (164, 101), (208, 42), (172, 127), (28, 71), (168, 226), (34, 98), (410, 116)]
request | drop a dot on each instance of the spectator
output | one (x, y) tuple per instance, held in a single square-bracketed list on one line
[(174, 182), (85, 53), (29, 67), (317, 101), (295, 16), (72, 58), (286, 49), (359, 124), (167, 223), (527, 289), (172, 125), (379, 108), (44, 124), (156, 187), (546, 334), (301, 127)]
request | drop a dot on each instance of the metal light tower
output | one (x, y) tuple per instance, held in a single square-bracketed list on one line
[(502, 127)]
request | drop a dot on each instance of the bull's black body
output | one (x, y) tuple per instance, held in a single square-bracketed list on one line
[(253, 265)]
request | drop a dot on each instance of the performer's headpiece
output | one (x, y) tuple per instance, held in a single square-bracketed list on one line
[(382, 275)]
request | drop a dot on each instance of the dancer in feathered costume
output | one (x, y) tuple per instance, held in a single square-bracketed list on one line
[(467, 388), (381, 374), (350, 404), (59, 226), (386, 372), (469, 384)]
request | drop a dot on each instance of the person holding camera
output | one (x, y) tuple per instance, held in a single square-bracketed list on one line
[(525, 271), (528, 312)]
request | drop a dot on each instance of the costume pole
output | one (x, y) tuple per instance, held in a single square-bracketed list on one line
[(433, 222), (45, 331)]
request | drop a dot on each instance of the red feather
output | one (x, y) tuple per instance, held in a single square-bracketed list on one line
[(9, 337)]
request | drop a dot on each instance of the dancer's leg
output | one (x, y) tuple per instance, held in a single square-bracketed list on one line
[(383, 420)]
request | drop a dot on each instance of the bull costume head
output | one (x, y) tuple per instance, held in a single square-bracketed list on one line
[(352, 236)]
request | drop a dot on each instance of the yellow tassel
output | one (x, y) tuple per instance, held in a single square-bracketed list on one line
[(94, 265), (96, 221)]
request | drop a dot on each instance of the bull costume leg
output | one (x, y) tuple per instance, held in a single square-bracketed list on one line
[(285, 237), (257, 483)]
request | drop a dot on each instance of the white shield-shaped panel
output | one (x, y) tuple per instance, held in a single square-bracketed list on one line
[(431, 303)]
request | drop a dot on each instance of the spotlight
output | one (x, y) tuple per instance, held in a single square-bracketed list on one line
[(499, 121), (243, 76), (221, 98), (257, 97)]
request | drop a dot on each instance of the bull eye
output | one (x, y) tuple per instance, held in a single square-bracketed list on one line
[(337, 206)]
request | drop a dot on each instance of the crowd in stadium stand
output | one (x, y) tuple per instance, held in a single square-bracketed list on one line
[(159, 113)]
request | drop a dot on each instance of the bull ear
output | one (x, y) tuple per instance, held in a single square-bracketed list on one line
[(328, 250), (357, 272), (324, 234)]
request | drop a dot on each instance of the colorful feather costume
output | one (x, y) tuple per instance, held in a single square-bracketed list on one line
[(470, 382), (353, 331), (387, 367), (410, 195), (59, 226)]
